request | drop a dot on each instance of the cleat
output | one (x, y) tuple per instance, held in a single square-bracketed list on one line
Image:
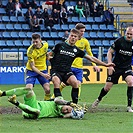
[(1, 93), (95, 104), (129, 109), (12, 99)]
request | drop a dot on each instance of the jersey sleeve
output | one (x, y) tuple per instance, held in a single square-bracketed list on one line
[(115, 44), (80, 53), (30, 54)]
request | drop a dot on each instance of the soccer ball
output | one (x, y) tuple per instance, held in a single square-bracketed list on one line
[(77, 114)]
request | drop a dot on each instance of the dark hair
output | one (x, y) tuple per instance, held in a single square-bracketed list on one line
[(79, 26), (36, 36), (74, 30)]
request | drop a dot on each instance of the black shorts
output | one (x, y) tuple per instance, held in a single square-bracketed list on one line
[(119, 72), (63, 76)]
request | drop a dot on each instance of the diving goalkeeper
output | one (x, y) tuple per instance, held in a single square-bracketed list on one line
[(33, 109)]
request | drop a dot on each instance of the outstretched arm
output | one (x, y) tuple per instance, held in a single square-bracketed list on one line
[(97, 61)]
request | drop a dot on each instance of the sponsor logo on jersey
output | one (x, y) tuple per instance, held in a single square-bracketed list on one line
[(67, 53), (75, 50), (125, 52)]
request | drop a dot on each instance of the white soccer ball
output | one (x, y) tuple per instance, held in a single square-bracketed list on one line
[(77, 114)]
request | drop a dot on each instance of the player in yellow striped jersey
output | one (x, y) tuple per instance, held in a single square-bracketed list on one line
[(36, 67), (77, 66)]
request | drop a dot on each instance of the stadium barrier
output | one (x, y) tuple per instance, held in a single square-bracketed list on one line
[(16, 75)]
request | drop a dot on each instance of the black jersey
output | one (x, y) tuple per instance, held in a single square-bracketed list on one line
[(64, 55), (123, 52)]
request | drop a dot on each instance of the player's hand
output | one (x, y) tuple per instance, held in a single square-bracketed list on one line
[(47, 76), (110, 65), (96, 68), (110, 70)]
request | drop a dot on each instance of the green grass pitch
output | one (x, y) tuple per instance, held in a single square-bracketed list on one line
[(110, 117)]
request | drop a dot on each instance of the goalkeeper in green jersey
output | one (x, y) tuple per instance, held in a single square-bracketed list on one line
[(32, 108)]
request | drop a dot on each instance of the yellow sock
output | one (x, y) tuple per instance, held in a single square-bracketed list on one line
[(61, 88), (79, 90), (47, 97)]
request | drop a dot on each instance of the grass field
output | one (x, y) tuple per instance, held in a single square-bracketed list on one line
[(110, 117)]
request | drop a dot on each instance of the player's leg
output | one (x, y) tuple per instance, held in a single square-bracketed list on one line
[(62, 86), (16, 91), (103, 92), (30, 78), (56, 79), (129, 81), (26, 108), (79, 75), (46, 86), (75, 90), (47, 96), (111, 79)]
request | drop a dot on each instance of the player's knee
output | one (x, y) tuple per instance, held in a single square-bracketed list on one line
[(130, 83), (75, 84), (28, 90)]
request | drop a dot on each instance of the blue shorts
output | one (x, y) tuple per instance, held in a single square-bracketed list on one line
[(31, 77), (78, 73)]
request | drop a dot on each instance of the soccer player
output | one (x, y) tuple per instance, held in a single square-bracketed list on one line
[(63, 55), (122, 49), (36, 67), (33, 109), (77, 65)]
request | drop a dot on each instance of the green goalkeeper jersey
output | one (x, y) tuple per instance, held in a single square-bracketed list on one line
[(49, 109)]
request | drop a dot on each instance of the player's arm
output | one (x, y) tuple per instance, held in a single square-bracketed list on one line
[(32, 65), (50, 55), (61, 101), (110, 54), (109, 57), (97, 61)]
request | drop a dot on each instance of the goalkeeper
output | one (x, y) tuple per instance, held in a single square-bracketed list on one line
[(33, 109)]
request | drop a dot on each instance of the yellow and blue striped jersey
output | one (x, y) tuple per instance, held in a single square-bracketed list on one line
[(38, 56), (84, 45)]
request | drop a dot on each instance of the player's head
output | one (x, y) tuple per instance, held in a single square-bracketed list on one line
[(81, 27), (36, 39), (73, 36), (66, 109), (129, 33)]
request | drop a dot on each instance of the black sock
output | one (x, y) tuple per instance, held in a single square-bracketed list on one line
[(4, 93), (129, 95), (57, 92), (102, 94), (17, 103), (74, 95)]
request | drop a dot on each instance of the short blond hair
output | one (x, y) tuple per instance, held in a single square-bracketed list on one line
[(79, 26)]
